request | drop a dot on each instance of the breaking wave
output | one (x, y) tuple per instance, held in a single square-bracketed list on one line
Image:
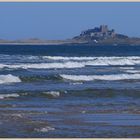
[(52, 62), (112, 77), (52, 93), (97, 61), (9, 79), (14, 95), (68, 58), (127, 68), (133, 71), (88, 58), (44, 65)]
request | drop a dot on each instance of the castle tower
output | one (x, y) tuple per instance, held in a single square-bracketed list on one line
[(104, 28)]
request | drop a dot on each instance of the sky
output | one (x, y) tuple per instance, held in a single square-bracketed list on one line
[(63, 20)]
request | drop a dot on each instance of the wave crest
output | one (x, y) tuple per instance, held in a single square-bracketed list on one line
[(112, 77), (9, 79), (54, 62), (14, 95)]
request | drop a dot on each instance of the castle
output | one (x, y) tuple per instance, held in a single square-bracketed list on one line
[(101, 32)]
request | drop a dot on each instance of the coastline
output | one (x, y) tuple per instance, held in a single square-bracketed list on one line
[(97, 36), (113, 42)]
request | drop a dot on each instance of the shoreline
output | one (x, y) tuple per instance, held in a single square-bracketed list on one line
[(67, 44)]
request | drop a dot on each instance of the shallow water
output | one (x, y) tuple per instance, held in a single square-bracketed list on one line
[(69, 91)]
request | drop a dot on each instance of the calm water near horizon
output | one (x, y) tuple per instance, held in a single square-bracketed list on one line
[(69, 91)]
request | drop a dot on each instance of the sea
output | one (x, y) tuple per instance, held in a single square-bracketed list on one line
[(69, 91)]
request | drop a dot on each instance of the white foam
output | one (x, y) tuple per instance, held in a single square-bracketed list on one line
[(68, 58), (75, 62), (9, 79), (52, 93), (45, 129), (17, 115), (88, 58), (104, 61), (76, 83), (14, 95), (100, 77), (133, 71), (44, 65), (127, 68)]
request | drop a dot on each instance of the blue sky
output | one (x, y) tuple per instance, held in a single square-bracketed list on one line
[(65, 20)]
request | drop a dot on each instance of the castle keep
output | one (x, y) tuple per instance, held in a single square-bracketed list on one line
[(101, 32)]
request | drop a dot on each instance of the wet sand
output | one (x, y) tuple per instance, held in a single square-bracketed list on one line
[(69, 120)]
